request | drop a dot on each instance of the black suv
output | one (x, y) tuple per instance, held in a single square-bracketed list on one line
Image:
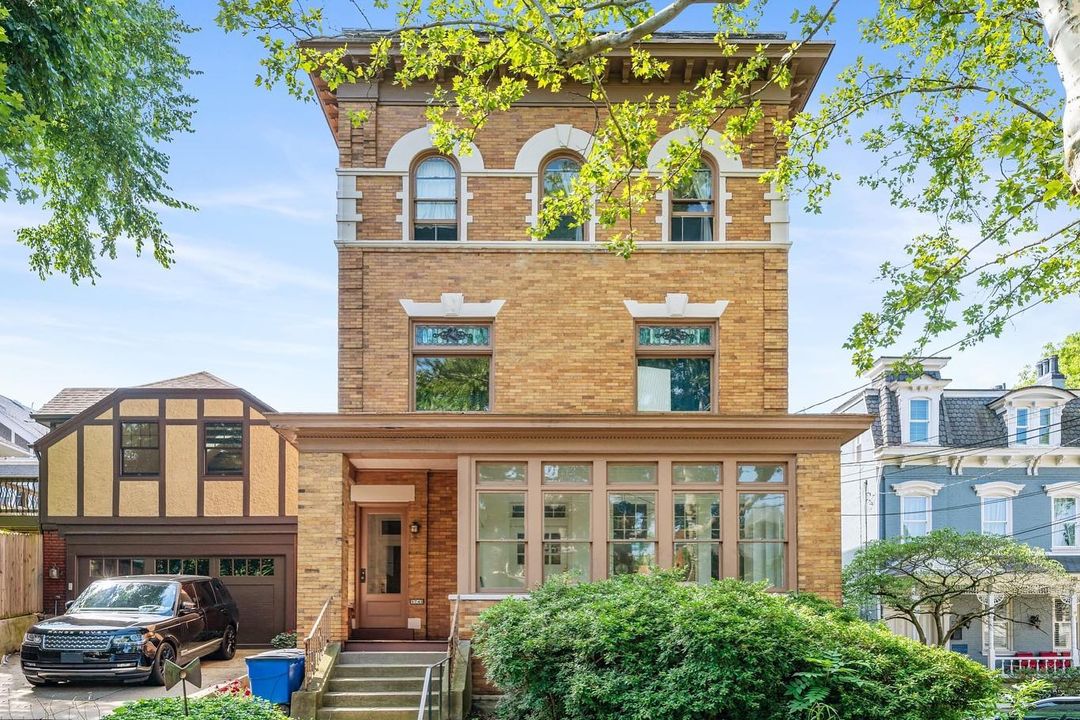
[(127, 627)]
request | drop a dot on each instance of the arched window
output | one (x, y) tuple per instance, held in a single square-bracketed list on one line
[(693, 206), (558, 176), (435, 199)]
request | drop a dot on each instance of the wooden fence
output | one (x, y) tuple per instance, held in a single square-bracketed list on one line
[(20, 574)]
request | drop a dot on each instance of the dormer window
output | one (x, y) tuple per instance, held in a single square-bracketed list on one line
[(1022, 426), (919, 421), (1045, 417)]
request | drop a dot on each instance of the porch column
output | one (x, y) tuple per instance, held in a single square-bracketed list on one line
[(1073, 652), (321, 543), (991, 654)]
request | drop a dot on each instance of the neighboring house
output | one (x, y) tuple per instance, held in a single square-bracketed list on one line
[(18, 466), (183, 475), (991, 460), (512, 409)]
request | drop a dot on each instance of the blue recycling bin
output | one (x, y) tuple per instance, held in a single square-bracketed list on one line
[(275, 675)]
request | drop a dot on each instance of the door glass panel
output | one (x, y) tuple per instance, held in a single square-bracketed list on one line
[(384, 570)]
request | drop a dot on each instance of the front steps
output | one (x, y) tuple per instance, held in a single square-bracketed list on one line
[(379, 685)]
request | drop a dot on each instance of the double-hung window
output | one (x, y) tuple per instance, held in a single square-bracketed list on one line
[(1062, 624), (451, 366), (435, 199), (1064, 523), (997, 515), (675, 367), (140, 453), (501, 544), (559, 175), (693, 207), (919, 420), (1022, 419), (1045, 421), (914, 515), (567, 520)]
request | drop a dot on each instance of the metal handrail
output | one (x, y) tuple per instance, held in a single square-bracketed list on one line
[(442, 670), (315, 644)]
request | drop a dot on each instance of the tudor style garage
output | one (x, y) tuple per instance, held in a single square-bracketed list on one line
[(183, 475)]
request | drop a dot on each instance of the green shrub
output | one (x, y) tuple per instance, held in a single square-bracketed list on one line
[(648, 647), (285, 640), (212, 707)]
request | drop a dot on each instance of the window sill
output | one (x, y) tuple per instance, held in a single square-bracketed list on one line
[(487, 596)]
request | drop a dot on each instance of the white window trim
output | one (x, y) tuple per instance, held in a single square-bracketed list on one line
[(917, 489), (1065, 489), (1003, 614), (1054, 622), (999, 490), (676, 305), (452, 305), (930, 415), (1034, 423)]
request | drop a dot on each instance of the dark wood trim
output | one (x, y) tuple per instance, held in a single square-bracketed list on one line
[(282, 455), (245, 454), (43, 483), (113, 400), (200, 448), (163, 444), (118, 459), (96, 524), (79, 472)]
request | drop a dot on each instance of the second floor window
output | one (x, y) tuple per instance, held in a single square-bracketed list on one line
[(675, 367), (693, 207), (996, 515), (435, 200), (919, 422), (914, 515), (1064, 522), (559, 175), (140, 453), (451, 367), (224, 448)]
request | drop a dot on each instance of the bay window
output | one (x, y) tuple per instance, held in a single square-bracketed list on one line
[(590, 518)]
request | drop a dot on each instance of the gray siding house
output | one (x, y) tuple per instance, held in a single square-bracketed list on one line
[(975, 460)]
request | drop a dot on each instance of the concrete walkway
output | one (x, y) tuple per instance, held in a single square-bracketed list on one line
[(90, 700)]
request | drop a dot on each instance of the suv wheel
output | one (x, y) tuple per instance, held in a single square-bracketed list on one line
[(228, 645), (157, 674)]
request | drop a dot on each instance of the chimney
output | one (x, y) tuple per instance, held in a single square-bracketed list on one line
[(1048, 372)]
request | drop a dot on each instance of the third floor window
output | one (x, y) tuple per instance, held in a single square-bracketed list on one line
[(435, 199), (693, 207), (919, 422), (559, 175)]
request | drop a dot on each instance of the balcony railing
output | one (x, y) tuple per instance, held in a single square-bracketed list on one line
[(18, 498), (1031, 663)]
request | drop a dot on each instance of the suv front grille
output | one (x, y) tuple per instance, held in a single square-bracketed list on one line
[(77, 640)]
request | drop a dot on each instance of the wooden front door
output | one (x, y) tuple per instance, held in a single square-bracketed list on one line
[(383, 572)]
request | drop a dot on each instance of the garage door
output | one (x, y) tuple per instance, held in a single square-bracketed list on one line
[(256, 583)]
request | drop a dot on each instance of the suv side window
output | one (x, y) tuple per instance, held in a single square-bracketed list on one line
[(205, 594), (222, 592), (187, 594)]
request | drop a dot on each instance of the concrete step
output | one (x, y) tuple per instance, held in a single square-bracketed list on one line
[(390, 658), (384, 713), (390, 670), (376, 684), (397, 699)]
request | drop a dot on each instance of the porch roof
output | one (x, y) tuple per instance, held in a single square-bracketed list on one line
[(459, 432)]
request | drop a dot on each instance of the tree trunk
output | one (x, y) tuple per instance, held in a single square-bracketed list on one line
[(1062, 21)]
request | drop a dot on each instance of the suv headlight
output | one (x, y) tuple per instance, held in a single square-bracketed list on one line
[(32, 639), (128, 641)]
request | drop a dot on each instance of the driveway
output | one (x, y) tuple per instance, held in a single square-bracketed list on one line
[(90, 700)]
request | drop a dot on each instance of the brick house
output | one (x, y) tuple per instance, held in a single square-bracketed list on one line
[(512, 408), (179, 476)]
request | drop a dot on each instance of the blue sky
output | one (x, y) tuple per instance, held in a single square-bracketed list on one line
[(252, 297)]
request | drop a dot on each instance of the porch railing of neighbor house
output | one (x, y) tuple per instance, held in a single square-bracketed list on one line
[(315, 643), (18, 498), (1031, 663)]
